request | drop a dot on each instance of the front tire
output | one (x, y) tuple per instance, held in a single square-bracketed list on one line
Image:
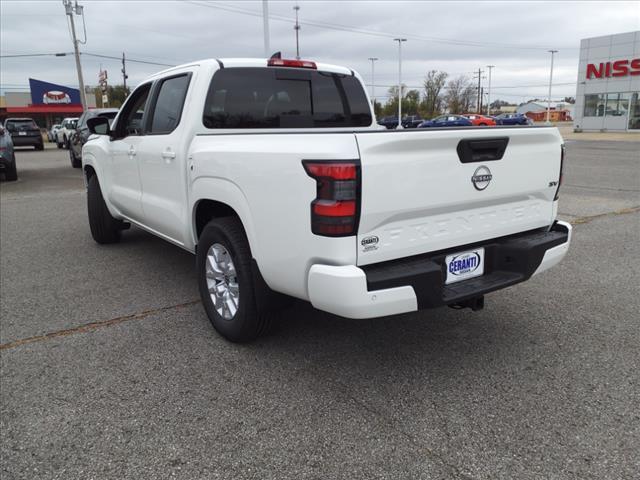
[(226, 281), (11, 173), (104, 228)]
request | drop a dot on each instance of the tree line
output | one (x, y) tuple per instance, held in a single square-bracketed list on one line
[(440, 94)]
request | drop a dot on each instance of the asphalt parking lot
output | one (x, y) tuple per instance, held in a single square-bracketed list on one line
[(110, 368)]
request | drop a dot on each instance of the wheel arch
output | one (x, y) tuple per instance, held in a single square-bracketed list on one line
[(217, 198)]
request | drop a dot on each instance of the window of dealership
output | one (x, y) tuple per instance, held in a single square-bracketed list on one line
[(625, 105), (608, 93)]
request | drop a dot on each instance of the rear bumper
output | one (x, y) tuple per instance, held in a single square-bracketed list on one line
[(27, 141), (416, 283)]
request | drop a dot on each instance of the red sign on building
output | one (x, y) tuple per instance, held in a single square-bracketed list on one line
[(619, 68)]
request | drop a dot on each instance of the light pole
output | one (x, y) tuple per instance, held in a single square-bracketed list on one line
[(265, 27), (489, 91), (124, 74), (399, 40), (70, 9), (373, 83), (296, 27), (553, 52)]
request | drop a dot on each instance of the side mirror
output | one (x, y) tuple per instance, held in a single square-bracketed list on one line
[(98, 125)]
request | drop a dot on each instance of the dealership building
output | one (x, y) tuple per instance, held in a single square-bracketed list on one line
[(608, 93)]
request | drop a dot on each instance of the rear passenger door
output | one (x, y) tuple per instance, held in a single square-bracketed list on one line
[(163, 171)]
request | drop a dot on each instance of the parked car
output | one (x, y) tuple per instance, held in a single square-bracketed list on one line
[(481, 120), (279, 200), (412, 121), (389, 122), (64, 133), (446, 121), (513, 119), (51, 133), (7, 156), (24, 133), (80, 135)]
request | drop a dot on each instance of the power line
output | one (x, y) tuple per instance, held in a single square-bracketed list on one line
[(89, 54), (363, 31), (112, 57), (533, 86), (22, 55)]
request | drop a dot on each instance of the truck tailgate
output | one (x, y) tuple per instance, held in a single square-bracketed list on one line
[(419, 193)]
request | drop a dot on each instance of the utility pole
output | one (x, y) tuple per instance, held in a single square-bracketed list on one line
[(373, 83), (399, 40), (265, 27), (296, 27), (70, 9), (552, 52), (479, 102), (124, 75), (489, 91)]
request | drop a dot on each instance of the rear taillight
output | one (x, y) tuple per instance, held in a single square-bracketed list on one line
[(335, 210), (283, 62), (563, 150)]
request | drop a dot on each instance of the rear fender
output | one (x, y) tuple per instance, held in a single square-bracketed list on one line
[(227, 192)]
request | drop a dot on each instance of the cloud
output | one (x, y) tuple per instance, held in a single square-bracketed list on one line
[(457, 37)]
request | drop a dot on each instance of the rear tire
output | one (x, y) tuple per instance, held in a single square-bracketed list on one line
[(104, 228), (58, 144), (225, 277), (11, 173), (75, 161), (40, 146)]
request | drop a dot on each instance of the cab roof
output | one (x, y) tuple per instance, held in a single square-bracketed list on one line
[(250, 62)]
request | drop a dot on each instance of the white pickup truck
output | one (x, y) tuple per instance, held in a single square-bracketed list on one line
[(275, 174)]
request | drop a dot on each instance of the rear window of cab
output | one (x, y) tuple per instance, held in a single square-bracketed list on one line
[(248, 97)]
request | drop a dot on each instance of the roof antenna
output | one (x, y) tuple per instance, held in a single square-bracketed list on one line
[(277, 55)]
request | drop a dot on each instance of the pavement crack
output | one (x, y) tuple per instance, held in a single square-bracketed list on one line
[(87, 327), (589, 218), (612, 189)]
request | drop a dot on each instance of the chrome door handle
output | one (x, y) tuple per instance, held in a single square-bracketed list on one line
[(132, 152), (168, 155)]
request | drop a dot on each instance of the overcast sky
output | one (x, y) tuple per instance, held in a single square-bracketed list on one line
[(457, 37)]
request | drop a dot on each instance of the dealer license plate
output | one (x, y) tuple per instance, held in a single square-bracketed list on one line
[(464, 265)]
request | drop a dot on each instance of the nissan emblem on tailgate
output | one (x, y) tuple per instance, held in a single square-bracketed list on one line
[(481, 177)]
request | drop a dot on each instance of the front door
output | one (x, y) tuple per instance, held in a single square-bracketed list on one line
[(126, 190)]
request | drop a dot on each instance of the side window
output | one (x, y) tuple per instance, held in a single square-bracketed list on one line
[(169, 103), (82, 122), (130, 121)]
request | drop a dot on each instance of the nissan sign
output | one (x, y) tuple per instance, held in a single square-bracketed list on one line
[(619, 68)]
